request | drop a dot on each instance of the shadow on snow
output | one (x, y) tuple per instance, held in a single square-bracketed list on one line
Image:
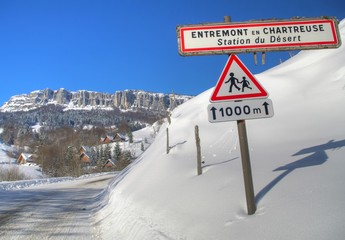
[(318, 157)]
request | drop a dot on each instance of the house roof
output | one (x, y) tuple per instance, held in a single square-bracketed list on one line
[(109, 161), (110, 137), (84, 154), (122, 136), (86, 148), (26, 156)]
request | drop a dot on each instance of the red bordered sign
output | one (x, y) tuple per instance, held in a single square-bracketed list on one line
[(236, 82), (260, 36)]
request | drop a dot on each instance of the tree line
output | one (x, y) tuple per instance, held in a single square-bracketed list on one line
[(18, 125)]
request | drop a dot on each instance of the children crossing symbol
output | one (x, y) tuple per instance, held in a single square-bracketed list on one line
[(237, 83)]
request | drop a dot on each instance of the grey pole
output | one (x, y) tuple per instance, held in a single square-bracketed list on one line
[(198, 150), (246, 167), (247, 172)]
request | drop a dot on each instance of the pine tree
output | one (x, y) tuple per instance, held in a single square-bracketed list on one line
[(93, 155), (68, 158), (104, 156), (100, 156), (130, 136), (117, 152), (125, 159), (107, 153)]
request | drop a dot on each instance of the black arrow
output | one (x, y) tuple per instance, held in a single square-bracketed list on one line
[(266, 107), (213, 109)]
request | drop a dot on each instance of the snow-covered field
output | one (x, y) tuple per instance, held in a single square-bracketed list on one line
[(31, 171), (297, 163)]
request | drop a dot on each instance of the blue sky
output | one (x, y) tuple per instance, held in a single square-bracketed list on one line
[(103, 45)]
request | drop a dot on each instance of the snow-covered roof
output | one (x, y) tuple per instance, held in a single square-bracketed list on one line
[(26, 156)]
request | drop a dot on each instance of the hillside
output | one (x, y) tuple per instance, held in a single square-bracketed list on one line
[(297, 162), (53, 109)]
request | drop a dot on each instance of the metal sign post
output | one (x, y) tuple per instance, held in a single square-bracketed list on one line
[(247, 170), (254, 36), (246, 167)]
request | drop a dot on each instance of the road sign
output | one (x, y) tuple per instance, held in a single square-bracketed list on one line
[(237, 82), (247, 109), (258, 36)]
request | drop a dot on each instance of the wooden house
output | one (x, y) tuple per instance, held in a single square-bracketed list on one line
[(84, 149), (106, 139), (110, 139), (24, 158), (85, 158), (120, 137), (85, 154), (109, 163)]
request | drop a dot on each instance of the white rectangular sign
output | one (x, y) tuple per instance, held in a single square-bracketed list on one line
[(242, 110), (271, 35)]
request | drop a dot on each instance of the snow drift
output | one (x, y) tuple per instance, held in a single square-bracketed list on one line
[(297, 162)]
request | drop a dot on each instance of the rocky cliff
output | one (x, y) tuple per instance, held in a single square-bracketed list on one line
[(82, 99)]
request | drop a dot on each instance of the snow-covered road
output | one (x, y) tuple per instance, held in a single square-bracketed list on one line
[(53, 211)]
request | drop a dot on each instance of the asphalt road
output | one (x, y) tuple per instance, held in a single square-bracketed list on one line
[(53, 211)]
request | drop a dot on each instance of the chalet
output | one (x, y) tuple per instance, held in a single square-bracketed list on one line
[(120, 137), (106, 139), (85, 154), (110, 139), (85, 158), (24, 158), (109, 163), (84, 149)]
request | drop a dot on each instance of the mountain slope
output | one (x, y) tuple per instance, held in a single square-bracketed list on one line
[(82, 109), (86, 100), (297, 162)]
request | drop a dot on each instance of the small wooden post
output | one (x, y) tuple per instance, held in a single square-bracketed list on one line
[(168, 148), (198, 151), (247, 171)]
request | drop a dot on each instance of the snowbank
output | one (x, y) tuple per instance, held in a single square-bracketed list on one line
[(297, 162), (15, 185)]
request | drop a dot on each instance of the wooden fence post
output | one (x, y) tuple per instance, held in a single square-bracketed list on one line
[(168, 148), (198, 151)]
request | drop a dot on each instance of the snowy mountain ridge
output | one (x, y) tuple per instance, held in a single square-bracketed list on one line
[(86, 100)]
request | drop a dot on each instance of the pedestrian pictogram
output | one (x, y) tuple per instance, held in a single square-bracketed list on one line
[(237, 83)]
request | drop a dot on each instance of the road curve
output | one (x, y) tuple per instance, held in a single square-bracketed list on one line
[(53, 211)]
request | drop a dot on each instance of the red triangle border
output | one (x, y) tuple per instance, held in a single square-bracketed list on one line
[(216, 98)]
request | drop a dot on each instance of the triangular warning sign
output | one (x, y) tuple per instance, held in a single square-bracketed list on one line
[(237, 83)]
